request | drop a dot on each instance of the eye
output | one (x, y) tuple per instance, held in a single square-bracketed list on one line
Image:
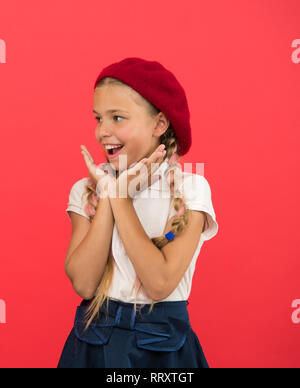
[(98, 118), (119, 116)]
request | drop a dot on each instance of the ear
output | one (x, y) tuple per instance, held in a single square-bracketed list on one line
[(162, 124)]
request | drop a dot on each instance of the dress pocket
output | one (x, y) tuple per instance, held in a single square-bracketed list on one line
[(168, 336), (97, 333)]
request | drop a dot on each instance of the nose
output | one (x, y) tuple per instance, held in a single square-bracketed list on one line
[(101, 132)]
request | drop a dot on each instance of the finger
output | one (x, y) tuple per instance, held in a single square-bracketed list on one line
[(139, 166), (87, 160), (158, 153), (85, 150), (156, 158), (87, 153), (162, 154), (151, 165), (160, 147)]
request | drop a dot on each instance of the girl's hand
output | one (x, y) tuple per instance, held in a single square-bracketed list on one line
[(129, 179), (102, 175)]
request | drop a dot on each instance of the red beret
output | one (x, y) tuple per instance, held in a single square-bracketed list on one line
[(159, 86)]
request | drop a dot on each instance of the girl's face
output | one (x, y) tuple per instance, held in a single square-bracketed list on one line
[(130, 125)]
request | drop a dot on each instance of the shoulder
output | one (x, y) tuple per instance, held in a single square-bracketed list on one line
[(77, 197), (79, 187), (197, 194), (195, 186)]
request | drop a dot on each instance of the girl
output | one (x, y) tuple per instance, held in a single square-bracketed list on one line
[(138, 224)]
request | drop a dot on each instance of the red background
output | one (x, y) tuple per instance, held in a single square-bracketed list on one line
[(233, 59)]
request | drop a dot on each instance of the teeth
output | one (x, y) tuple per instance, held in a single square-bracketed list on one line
[(109, 147)]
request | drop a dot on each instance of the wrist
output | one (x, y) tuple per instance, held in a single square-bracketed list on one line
[(119, 192), (98, 189), (103, 188)]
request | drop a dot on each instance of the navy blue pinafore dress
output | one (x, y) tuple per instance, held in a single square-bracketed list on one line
[(122, 338)]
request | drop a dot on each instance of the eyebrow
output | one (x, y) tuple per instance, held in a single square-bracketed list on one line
[(111, 111)]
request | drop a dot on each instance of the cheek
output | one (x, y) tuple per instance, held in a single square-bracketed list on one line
[(136, 147), (135, 137), (138, 133), (124, 134)]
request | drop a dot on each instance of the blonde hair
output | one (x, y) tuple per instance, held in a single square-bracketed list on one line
[(180, 221)]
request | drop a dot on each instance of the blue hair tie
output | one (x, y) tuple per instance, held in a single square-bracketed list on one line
[(170, 236)]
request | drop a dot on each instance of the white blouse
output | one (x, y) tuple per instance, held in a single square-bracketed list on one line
[(154, 208)]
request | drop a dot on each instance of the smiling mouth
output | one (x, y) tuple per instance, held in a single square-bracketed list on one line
[(114, 152)]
